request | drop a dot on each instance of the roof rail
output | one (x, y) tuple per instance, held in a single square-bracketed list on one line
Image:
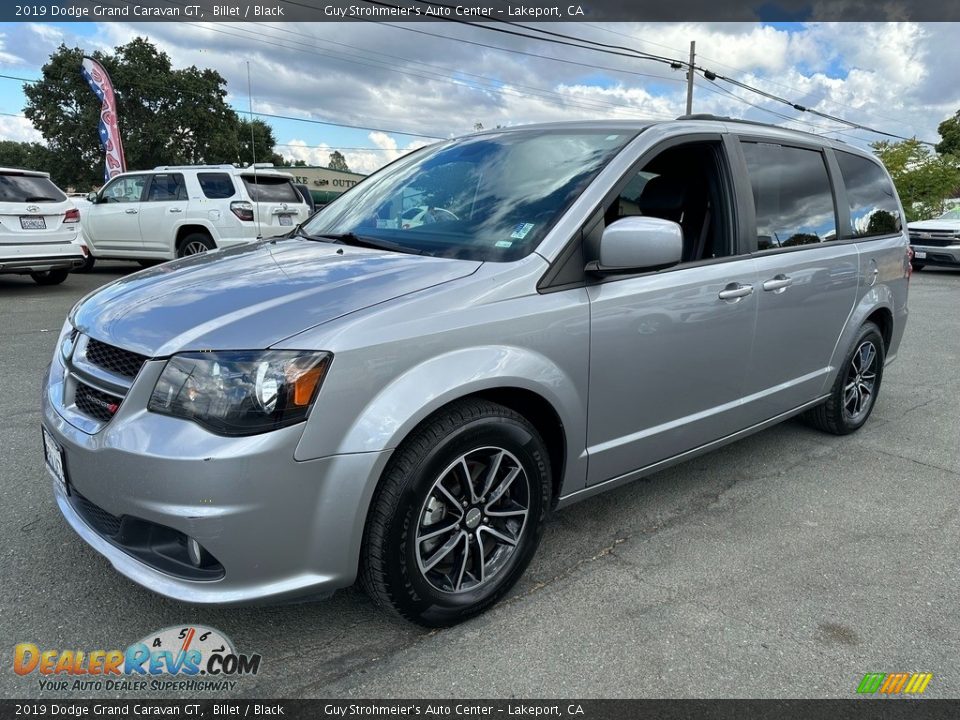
[(222, 166), (724, 118)]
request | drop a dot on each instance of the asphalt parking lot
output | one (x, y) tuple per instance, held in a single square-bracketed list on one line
[(786, 565)]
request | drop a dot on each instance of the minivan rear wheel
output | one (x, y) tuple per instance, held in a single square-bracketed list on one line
[(458, 515), (855, 390)]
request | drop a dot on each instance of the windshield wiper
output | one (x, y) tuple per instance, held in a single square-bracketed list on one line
[(367, 242), (40, 198)]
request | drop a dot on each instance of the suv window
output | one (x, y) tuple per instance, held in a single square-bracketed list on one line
[(29, 188), (216, 186), (166, 187), (874, 209), (792, 195), (267, 188), (124, 189)]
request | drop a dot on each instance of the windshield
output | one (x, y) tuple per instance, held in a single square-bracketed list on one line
[(953, 214), (487, 197)]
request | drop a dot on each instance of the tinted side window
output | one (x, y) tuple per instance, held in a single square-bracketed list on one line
[(792, 196), (873, 201), (216, 186), (166, 187)]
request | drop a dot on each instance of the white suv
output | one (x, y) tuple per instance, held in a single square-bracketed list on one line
[(174, 211), (40, 231)]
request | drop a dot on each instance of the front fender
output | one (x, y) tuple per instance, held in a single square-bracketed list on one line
[(410, 398)]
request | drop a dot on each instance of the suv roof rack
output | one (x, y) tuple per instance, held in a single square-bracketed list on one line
[(725, 118), (222, 166)]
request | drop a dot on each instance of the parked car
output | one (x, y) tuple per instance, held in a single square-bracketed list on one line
[(406, 407), (937, 241), (40, 232), (175, 211)]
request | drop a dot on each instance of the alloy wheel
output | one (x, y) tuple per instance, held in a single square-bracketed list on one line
[(859, 388), (472, 520)]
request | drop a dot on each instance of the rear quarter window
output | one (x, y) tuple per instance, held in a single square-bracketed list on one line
[(216, 186), (874, 210), (268, 188), (29, 189)]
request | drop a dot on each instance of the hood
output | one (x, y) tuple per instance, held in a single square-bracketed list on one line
[(253, 295), (946, 226)]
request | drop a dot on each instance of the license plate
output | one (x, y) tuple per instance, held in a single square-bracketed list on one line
[(286, 219), (919, 254), (33, 223), (53, 457)]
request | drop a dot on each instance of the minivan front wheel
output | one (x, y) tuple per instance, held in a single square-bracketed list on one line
[(855, 390), (458, 514)]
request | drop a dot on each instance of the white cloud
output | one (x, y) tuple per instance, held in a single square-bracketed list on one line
[(18, 129)]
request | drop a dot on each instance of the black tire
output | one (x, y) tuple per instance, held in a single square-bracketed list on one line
[(190, 244), (87, 266), (50, 277), (391, 567), (836, 414), (917, 266)]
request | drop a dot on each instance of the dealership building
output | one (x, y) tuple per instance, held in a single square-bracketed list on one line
[(325, 184)]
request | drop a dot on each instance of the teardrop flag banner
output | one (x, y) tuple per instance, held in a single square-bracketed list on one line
[(99, 81)]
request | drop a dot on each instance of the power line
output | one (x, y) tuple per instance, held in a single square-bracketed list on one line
[(616, 50), (499, 88)]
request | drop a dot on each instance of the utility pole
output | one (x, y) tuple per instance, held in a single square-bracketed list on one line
[(693, 49)]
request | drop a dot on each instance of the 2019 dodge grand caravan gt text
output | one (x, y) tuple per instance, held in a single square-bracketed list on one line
[(586, 304)]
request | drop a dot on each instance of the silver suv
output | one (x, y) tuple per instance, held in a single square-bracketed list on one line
[(587, 304)]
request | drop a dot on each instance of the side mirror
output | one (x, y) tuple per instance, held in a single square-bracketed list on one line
[(634, 244), (93, 197)]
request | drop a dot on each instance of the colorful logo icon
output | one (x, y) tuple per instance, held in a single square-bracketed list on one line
[(894, 683)]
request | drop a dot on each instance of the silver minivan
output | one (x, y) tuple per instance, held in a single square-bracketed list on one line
[(582, 304)]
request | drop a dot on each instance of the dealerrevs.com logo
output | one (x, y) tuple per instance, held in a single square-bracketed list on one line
[(179, 658)]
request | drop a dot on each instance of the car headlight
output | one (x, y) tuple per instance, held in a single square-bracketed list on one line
[(240, 392)]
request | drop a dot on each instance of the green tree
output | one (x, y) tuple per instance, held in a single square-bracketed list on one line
[(32, 156), (166, 116), (338, 161), (924, 179), (949, 131)]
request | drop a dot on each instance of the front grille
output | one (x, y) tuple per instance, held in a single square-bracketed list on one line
[(102, 521), (116, 360), (96, 404), (934, 239)]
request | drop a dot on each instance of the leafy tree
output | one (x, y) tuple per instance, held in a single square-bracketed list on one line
[(338, 161), (923, 178), (32, 156), (949, 131), (166, 116), (290, 162)]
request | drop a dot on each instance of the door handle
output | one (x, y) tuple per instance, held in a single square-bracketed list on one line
[(131, 211), (176, 209), (778, 284), (735, 291)]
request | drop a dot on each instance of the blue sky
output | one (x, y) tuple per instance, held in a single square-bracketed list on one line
[(442, 79)]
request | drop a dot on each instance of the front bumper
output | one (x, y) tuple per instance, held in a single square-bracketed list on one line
[(280, 528), (949, 255)]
